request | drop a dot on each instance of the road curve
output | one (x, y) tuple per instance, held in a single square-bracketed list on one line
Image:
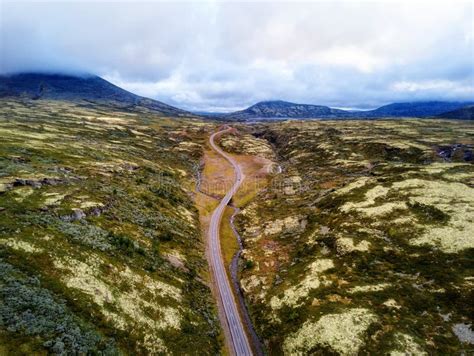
[(239, 339)]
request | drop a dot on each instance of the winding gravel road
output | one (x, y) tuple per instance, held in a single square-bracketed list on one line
[(239, 339)]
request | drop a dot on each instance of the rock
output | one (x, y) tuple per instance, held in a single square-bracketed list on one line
[(464, 333), (77, 214), (278, 280), (52, 181), (19, 182), (19, 159), (468, 156), (176, 261), (130, 167), (33, 183), (62, 170), (37, 183), (391, 303), (346, 245), (324, 230), (96, 212)]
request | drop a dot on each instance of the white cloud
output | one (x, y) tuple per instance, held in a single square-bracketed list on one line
[(351, 57), (435, 86)]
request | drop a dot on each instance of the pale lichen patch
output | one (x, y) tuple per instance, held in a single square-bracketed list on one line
[(384, 209), (255, 285), (280, 225), (370, 197), (157, 287), (187, 214), (359, 183), (21, 245), (82, 277), (369, 288), (342, 332), (90, 204), (112, 120), (131, 308), (347, 245), (155, 345), (454, 199), (392, 303), (406, 345), (313, 279), (53, 198), (440, 167), (20, 194)]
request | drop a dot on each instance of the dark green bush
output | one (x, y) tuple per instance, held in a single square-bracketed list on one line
[(30, 310)]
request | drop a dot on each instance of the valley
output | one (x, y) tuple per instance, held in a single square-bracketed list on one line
[(236, 178), (118, 233)]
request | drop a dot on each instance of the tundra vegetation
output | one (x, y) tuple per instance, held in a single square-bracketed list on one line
[(364, 243), (358, 235), (100, 246)]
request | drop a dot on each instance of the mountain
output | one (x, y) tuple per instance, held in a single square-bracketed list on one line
[(88, 89), (281, 109), (415, 109), (465, 113), (284, 109)]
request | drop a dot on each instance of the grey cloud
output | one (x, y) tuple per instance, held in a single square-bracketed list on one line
[(223, 56)]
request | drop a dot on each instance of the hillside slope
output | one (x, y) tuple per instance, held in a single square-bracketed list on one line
[(364, 243), (87, 89), (283, 109), (465, 113), (415, 109), (100, 246)]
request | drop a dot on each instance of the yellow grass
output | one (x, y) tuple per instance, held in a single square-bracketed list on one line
[(217, 175), (255, 170), (228, 240)]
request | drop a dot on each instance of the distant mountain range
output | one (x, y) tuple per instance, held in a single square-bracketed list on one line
[(417, 109), (89, 89), (282, 110), (93, 90)]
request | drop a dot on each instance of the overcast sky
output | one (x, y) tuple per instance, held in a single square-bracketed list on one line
[(218, 56)]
